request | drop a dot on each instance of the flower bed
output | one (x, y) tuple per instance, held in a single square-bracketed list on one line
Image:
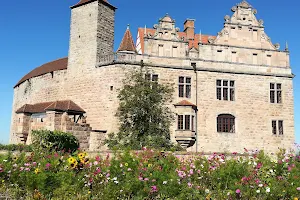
[(149, 174)]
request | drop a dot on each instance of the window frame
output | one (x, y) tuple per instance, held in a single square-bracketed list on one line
[(185, 86), (230, 90), (182, 124), (275, 92), (226, 123), (277, 127)]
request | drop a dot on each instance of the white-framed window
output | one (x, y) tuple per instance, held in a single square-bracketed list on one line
[(275, 93), (185, 122), (160, 50), (184, 86), (226, 90), (151, 77)]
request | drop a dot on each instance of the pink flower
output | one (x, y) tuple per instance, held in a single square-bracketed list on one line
[(190, 184), (27, 164), (108, 174), (146, 179), (96, 163), (198, 171), (21, 168), (48, 165), (298, 188), (1, 170), (141, 178), (97, 158), (34, 163), (238, 191), (153, 180), (191, 171), (56, 155), (129, 169), (27, 169), (154, 189)]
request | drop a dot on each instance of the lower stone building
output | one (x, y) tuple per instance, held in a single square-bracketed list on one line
[(233, 90)]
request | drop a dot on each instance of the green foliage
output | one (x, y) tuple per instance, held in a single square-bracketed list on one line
[(54, 140), (16, 147), (144, 117), (149, 175)]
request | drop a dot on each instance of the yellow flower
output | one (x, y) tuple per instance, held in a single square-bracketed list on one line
[(295, 198), (74, 164), (149, 165), (36, 171), (150, 174), (2, 181), (101, 175), (207, 197), (72, 160), (81, 155), (15, 158), (126, 164), (89, 192)]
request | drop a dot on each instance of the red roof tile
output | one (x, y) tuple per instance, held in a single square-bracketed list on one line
[(127, 43), (83, 2), (56, 65), (66, 106), (192, 43), (185, 103)]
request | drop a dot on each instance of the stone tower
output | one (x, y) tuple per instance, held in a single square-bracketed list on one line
[(91, 34)]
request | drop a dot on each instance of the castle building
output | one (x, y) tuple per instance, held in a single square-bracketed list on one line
[(233, 90)]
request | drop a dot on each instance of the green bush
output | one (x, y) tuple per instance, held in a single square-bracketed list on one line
[(54, 140), (16, 147)]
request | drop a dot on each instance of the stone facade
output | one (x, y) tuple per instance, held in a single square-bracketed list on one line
[(241, 52)]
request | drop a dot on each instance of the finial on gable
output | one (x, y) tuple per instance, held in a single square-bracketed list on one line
[(244, 4), (128, 25), (286, 46)]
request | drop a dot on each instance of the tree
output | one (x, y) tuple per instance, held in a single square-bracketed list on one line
[(144, 117)]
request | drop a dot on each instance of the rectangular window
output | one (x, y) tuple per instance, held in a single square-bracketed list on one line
[(254, 59), (180, 122), (269, 60), (174, 51), (185, 122), (184, 87), (225, 90), (255, 35), (233, 56), (275, 93), (151, 77), (277, 127), (160, 50), (193, 128)]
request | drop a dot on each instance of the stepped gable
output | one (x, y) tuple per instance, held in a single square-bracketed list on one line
[(60, 64)]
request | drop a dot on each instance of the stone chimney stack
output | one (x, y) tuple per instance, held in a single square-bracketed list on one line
[(189, 28)]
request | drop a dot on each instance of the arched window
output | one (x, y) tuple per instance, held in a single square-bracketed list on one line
[(226, 123)]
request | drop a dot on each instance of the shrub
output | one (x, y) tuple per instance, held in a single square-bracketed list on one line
[(16, 147), (54, 140)]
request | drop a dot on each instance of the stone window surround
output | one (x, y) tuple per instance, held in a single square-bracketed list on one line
[(222, 87), (276, 93), (221, 121), (185, 86), (277, 127), (184, 117)]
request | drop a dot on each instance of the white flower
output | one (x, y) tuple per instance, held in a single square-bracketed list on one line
[(271, 170), (249, 163), (254, 163), (202, 166), (116, 182), (121, 190), (268, 190), (115, 178), (4, 160), (207, 191), (257, 191), (121, 165), (228, 193), (260, 185), (165, 182)]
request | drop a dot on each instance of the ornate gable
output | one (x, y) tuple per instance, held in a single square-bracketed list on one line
[(244, 29)]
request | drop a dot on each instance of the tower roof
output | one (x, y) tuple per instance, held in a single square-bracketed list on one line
[(127, 43)]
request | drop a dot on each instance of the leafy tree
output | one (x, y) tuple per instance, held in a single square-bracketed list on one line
[(144, 117)]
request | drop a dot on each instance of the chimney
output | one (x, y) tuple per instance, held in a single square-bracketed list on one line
[(189, 28)]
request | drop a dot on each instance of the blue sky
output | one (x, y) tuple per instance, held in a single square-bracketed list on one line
[(34, 32)]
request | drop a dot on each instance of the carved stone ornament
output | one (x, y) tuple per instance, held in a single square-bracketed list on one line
[(220, 33), (155, 26), (234, 8), (177, 29), (244, 4), (277, 46), (254, 11), (227, 18), (210, 40), (263, 36), (149, 35), (261, 22), (225, 31)]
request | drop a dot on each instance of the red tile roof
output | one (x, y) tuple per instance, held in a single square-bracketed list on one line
[(127, 43), (56, 65), (192, 43), (83, 2), (65, 106), (185, 103)]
